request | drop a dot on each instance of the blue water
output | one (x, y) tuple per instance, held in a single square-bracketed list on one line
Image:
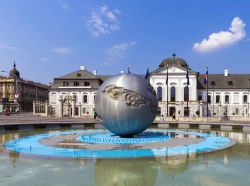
[(227, 167), (31, 145)]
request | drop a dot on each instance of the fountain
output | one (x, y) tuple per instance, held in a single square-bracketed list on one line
[(127, 106)]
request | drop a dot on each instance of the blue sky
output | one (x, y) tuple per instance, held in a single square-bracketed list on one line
[(48, 38)]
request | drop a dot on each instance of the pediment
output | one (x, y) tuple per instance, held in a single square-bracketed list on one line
[(173, 69)]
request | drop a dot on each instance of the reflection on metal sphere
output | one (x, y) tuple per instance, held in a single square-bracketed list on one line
[(127, 104)]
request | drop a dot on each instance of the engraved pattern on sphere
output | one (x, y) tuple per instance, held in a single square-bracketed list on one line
[(131, 98)]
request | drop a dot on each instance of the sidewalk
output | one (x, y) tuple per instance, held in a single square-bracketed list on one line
[(29, 118)]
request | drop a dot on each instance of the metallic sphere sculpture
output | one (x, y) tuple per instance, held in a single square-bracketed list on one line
[(127, 104)]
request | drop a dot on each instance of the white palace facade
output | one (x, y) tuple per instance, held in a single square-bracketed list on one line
[(73, 94)]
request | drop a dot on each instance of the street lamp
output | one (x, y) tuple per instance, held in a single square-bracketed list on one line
[(248, 98)]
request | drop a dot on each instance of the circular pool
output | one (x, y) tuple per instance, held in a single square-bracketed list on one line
[(103, 144), (229, 166)]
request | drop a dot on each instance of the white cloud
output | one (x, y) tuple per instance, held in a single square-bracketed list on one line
[(6, 46), (44, 59), (223, 38), (64, 5), (62, 50), (103, 21), (118, 51)]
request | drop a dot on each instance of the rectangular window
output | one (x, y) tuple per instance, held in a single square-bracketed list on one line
[(53, 98), (236, 98), (217, 99), (213, 83), (199, 97), (230, 83), (86, 83), (226, 99), (83, 110), (65, 83), (236, 111), (76, 83), (85, 99), (186, 111), (244, 98), (209, 99), (75, 96), (186, 93)]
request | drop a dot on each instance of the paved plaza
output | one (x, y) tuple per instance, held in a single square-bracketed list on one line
[(28, 118)]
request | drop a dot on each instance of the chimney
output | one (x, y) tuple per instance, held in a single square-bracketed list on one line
[(82, 67), (226, 72), (95, 72)]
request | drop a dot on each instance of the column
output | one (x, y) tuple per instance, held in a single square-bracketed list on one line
[(46, 108), (60, 114), (79, 110), (73, 107), (201, 106), (177, 111), (34, 107), (219, 110)]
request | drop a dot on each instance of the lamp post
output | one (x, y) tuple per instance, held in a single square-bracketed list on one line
[(248, 98)]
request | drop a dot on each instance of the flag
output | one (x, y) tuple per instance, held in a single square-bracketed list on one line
[(147, 74), (167, 76), (129, 70), (206, 77), (187, 76)]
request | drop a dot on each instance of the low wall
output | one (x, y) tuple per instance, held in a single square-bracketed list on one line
[(239, 118), (158, 119)]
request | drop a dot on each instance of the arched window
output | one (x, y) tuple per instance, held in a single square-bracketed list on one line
[(226, 98), (172, 94), (186, 93), (159, 93)]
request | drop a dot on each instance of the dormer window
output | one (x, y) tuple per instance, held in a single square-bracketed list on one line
[(86, 83), (230, 83), (76, 83), (78, 75), (65, 83)]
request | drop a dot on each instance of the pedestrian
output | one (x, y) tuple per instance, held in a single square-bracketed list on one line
[(162, 118), (95, 114), (17, 110), (7, 112)]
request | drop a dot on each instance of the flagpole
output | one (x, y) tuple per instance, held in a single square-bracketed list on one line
[(167, 90), (187, 92), (187, 100), (207, 91)]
